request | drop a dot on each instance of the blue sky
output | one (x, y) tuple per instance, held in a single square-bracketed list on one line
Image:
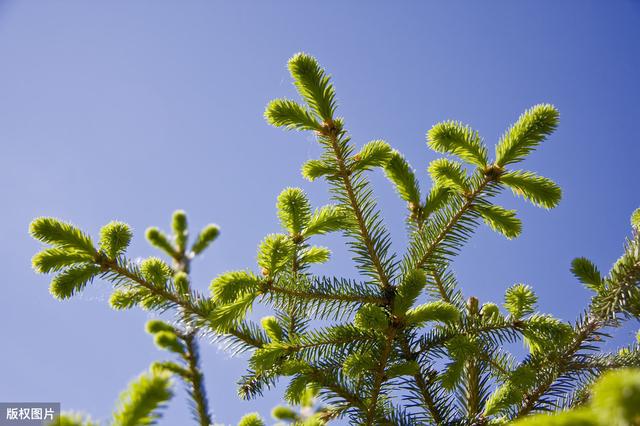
[(129, 110)]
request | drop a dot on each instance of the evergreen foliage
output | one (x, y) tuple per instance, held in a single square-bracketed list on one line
[(400, 345), (140, 404), (615, 402)]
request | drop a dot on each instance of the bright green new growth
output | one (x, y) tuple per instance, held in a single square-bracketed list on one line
[(399, 172), (373, 154), (314, 86), (538, 190), (156, 326), (408, 291), (294, 210), (72, 280), (284, 413), (587, 273), (252, 419), (526, 134), (397, 343), (371, 317), (490, 310), (179, 225), (61, 235), (274, 253), (272, 328), (208, 234), (168, 341), (449, 174), (325, 220), (140, 404), (232, 285), (159, 240), (155, 270), (115, 238), (72, 256), (616, 397), (451, 137), (520, 300), (501, 220), (635, 220), (56, 259), (439, 311), (615, 401), (291, 115)]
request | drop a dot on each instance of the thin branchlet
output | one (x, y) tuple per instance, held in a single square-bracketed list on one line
[(187, 305)]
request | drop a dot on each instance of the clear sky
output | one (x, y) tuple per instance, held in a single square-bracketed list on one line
[(129, 110)]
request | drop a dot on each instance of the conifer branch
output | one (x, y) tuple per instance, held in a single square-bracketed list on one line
[(603, 313), (421, 382), (532, 397), (192, 357), (195, 377), (379, 375), (295, 266), (312, 294), (424, 255), (446, 287), (197, 391), (186, 304), (443, 293), (331, 133), (140, 402), (400, 360), (498, 328), (322, 378), (472, 388), (325, 379)]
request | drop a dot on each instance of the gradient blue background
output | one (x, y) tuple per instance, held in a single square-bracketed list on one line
[(129, 110)]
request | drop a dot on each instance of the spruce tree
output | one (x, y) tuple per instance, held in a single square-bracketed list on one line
[(402, 344)]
